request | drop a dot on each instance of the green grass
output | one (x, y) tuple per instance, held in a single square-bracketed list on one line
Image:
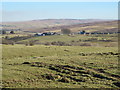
[(77, 40), (75, 66), (67, 38), (16, 74)]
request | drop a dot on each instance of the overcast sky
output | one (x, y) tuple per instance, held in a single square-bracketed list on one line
[(23, 11)]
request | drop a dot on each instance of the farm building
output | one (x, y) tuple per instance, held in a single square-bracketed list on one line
[(39, 34), (82, 32), (45, 34)]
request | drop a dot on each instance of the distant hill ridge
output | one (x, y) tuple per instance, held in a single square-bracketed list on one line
[(50, 24)]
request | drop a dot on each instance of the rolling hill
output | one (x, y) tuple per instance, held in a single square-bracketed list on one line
[(55, 25)]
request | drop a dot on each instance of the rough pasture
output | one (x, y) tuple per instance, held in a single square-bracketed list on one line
[(60, 66)]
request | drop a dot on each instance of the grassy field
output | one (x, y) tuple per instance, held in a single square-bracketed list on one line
[(76, 40), (52, 66)]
